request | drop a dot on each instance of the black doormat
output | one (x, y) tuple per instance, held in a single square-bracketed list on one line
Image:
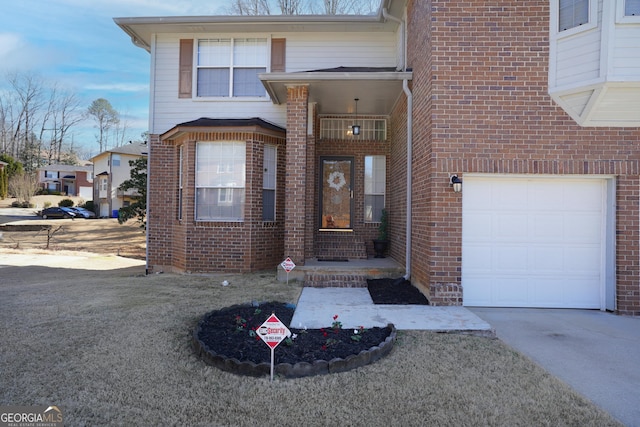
[(333, 259), (395, 291)]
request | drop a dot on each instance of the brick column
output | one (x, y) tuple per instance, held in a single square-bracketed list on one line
[(296, 173)]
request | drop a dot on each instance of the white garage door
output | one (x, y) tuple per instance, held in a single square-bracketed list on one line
[(533, 242)]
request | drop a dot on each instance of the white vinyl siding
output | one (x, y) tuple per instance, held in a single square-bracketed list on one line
[(305, 51), (375, 183), (220, 181)]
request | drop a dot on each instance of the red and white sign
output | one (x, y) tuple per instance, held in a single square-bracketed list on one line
[(273, 331), (288, 265)]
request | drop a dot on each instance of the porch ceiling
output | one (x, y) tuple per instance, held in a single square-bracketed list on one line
[(334, 92)]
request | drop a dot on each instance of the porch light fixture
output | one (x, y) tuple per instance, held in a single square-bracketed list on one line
[(355, 128), (456, 183)]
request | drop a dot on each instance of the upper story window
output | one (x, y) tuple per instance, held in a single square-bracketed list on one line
[(229, 67), (115, 160), (632, 8), (50, 174), (572, 13)]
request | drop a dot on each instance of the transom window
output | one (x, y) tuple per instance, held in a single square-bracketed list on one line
[(220, 181), (229, 67), (370, 129)]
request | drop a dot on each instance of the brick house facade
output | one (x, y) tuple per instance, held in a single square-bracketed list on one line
[(469, 96)]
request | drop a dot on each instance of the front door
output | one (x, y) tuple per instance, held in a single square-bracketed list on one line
[(336, 193)]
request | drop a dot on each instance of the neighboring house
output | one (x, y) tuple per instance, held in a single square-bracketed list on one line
[(276, 136), (69, 180), (111, 168)]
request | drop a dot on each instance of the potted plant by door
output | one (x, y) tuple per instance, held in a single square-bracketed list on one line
[(382, 242)]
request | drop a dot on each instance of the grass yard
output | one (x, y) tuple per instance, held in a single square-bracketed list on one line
[(114, 348)]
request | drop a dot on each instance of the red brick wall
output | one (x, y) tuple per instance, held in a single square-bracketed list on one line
[(481, 89), (296, 208), (205, 246)]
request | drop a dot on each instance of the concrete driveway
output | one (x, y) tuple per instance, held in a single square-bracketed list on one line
[(596, 353)]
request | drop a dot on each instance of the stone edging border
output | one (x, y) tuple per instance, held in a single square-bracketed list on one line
[(298, 370)]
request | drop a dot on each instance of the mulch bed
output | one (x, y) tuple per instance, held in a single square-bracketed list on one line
[(395, 291), (231, 332)]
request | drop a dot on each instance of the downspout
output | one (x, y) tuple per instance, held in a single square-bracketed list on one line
[(152, 73), (407, 91), (409, 95)]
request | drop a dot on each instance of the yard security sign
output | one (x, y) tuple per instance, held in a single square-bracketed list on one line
[(272, 332)]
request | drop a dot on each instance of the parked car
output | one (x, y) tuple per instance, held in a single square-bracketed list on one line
[(58, 212), (82, 212)]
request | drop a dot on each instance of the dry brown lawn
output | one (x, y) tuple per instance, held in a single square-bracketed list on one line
[(113, 347)]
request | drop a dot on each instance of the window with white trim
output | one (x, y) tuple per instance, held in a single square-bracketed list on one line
[(632, 8), (229, 67), (269, 183), (115, 160), (103, 184), (220, 181), (375, 182), (572, 13), (370, 129)]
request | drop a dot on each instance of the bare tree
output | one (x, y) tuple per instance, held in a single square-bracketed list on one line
[(291, 7), (28, 90), (23, 187), (106, 117), (250, 7)]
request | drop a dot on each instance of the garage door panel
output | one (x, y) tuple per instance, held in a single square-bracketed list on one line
[(583, 228), (479, 226), (479, 259), (509, 227), (547, 227), (533, 242), (509, 259)]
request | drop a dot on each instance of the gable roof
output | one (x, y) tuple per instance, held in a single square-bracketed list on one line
[(134, 148)]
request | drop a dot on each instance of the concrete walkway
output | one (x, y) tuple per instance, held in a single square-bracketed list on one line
[(354, 307)]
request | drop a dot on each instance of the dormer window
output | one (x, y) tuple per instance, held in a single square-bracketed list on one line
[(229, 67)]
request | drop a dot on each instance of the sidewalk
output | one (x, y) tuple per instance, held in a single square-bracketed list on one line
[(354, 307)]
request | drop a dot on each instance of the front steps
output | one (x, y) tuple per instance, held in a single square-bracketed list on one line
[(349, 274)]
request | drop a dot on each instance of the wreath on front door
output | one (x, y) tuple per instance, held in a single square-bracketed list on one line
[(336, 180)]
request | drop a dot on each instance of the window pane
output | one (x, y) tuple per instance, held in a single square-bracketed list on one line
[(213, 82), (250, 52), (269, 168), (268, 205), (573, 13), (373, 206), (632, 7), (247, 83), (220, 204), (214, 53)]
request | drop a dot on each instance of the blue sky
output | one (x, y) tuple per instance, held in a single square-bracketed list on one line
[(76, 44)]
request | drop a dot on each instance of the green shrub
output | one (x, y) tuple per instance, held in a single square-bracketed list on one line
[(88, 205), (65, 203)]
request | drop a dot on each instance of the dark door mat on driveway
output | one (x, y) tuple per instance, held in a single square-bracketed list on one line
[(395, 291)]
